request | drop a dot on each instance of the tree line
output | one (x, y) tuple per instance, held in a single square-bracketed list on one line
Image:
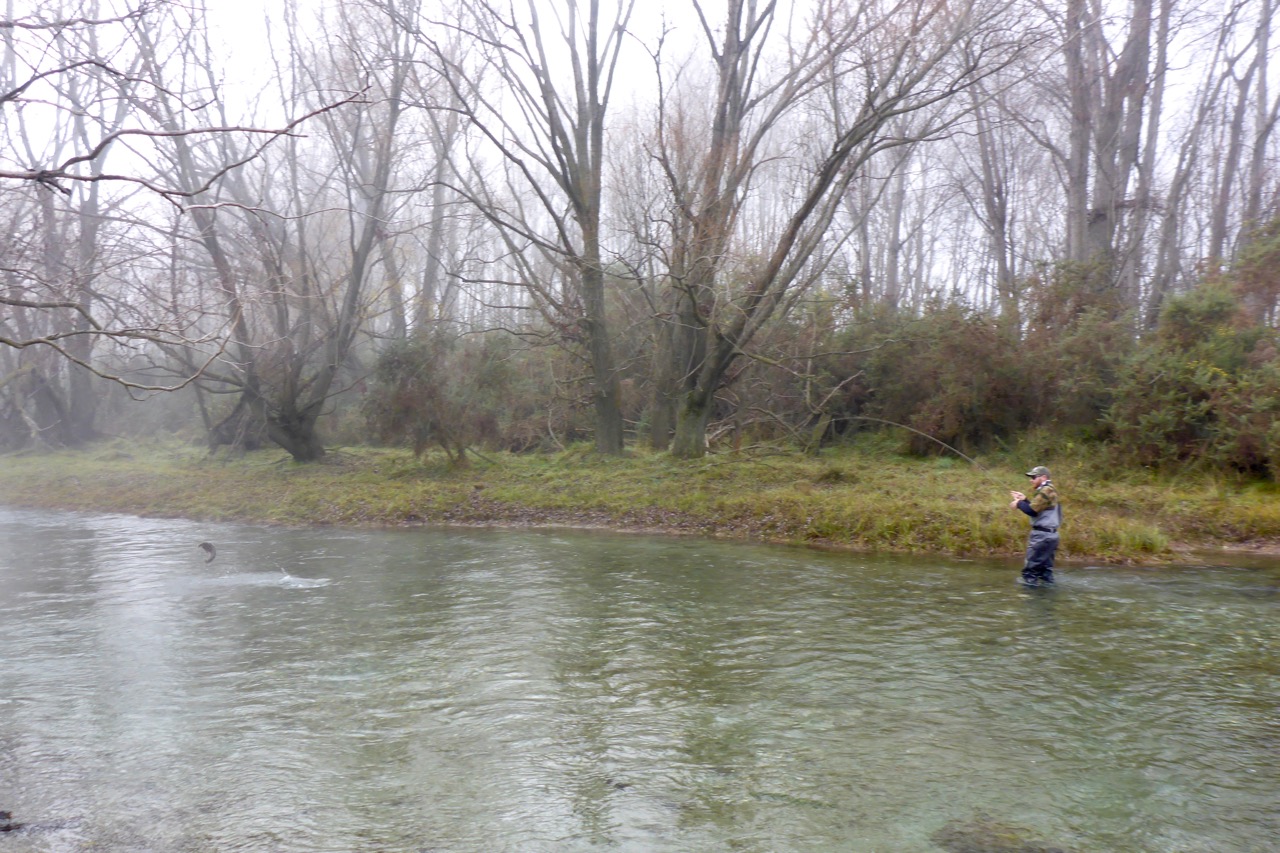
[(519, 224)]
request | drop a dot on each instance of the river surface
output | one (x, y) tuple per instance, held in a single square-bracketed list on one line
[(326, 690)]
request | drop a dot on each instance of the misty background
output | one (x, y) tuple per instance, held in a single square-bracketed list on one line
[(690, 225)]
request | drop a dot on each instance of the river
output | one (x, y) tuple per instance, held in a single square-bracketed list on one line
[(490, 690)]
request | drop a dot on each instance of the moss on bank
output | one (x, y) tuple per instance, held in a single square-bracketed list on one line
[(847, 498)]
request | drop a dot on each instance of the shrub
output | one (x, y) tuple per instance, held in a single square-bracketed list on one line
[(438, 390), (947, 374), (1205, 388), (1078, 338)]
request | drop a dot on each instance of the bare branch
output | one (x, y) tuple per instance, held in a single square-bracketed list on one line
[(70, 23), (52, 178)]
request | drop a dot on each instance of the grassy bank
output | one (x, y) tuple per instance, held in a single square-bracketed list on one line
[(866, 499)]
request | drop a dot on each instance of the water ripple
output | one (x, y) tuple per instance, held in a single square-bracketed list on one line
[(414, 690)]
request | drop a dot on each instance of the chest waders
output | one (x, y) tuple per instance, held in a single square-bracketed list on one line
[(1042, 545)]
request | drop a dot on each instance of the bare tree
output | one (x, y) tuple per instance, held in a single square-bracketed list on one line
[(539, 94), (1106, 93), (77, 78), (890, 61), (65, 87), (989, 189), (1238, 205), (1267, 111), (291, 245)]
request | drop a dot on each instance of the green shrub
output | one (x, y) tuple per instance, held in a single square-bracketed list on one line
[(1204, 389), (422, 395), (947, 375)]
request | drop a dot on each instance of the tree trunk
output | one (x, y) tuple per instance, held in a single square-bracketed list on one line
[(681, 349), (1134, 257), (606, 390), (698, 401), (662, 404), (1264, 122), (82, 400), (995, 218), (399, 320), (296, 432), (690, 441), (244, 429), (436, 294), (1117, 125), (1218, 249), (897, 199), (1077, 163)]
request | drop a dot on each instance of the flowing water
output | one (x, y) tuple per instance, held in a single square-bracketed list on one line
[(321, 690)]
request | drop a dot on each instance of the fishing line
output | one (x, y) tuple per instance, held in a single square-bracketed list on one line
[(964, 456)]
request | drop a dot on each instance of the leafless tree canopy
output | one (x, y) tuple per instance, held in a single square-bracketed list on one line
[(657, 198)]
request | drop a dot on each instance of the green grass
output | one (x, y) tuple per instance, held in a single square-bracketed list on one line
[(865, 498)]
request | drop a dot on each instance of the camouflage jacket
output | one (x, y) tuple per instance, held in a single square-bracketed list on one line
[(1045, 497), (1044, 509)]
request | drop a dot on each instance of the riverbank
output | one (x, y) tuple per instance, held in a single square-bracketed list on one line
[(868, 500)]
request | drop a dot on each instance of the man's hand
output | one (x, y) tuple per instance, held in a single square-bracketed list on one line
[(1017, 496)]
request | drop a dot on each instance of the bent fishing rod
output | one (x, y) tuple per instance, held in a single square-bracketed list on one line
[(991, 477)]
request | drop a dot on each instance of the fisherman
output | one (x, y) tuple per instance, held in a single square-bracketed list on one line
[(1046, 517)]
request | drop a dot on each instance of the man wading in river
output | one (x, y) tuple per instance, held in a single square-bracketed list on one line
[(1046, 517)]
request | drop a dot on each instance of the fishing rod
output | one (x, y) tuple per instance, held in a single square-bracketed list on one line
[(991, 477)]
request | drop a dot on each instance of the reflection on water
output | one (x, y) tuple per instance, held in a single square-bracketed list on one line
[(502, 691)]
